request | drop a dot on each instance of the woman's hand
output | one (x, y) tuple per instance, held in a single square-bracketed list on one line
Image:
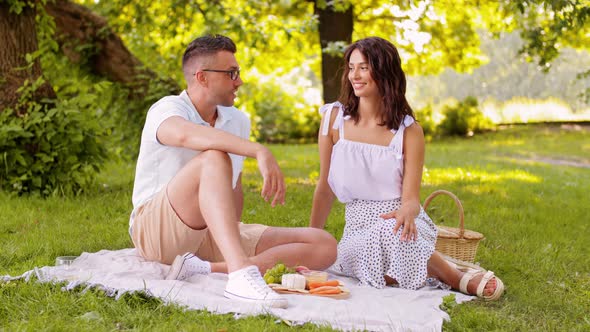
[(407, 218)]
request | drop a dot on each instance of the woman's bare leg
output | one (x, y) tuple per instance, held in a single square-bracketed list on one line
[(439, 268)]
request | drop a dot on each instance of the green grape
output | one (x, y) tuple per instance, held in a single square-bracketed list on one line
[(269, 279), (275, 273)]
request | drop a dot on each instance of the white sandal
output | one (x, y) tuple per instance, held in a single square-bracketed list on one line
[(470, 274)]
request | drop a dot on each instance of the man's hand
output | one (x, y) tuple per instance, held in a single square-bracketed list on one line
[(273, 186)]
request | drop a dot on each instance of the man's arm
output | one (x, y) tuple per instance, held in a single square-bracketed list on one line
[(176, 131)]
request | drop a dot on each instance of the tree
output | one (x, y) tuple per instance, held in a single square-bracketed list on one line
[(335, 25), (103, 51), (19, 39), (52, 145), (83, 36)]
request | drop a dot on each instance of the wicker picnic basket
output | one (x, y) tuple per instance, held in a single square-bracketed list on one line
[(458, 243)]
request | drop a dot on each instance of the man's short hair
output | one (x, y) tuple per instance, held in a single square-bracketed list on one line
[(205, 46)]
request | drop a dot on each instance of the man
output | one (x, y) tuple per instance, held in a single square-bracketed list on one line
[(188, 197)]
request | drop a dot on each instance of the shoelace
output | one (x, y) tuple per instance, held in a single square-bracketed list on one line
[(257, 281), (188, 259)]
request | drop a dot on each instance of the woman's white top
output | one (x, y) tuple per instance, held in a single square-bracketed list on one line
[(361, 170)]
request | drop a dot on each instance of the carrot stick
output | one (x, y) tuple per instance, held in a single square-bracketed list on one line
[(317, 284), (328, 292), (325, 290)]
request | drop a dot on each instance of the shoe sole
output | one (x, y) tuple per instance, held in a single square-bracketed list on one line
[(282, 303)]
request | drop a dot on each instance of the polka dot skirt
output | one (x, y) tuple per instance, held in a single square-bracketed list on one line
[(369, 249)]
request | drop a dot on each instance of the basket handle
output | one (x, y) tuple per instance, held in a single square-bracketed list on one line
[(457, 202)]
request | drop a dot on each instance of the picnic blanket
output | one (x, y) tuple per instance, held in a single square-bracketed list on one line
[(122, 271)]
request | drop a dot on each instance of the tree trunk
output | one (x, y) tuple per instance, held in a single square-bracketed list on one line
[(18, 37), (78, 25), (333, 26)]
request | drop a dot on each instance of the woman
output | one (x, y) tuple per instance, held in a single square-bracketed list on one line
[(372, 160)]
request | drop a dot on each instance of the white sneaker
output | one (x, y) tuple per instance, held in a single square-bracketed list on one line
[(247, 285), (186, 266)]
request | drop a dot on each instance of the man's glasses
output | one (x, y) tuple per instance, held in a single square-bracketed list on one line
[(233, 74)]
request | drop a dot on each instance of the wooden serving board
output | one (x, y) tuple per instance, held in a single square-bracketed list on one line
[(283, 290)]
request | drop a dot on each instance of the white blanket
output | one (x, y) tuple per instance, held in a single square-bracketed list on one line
[(122, 271)]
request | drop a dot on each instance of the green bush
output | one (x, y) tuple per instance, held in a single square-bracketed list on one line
[(463, 119), (426, 121), (278, 116), (50, 148)]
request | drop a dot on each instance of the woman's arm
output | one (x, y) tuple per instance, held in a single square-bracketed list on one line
[(413, 150), (414, 147), (323, 197)]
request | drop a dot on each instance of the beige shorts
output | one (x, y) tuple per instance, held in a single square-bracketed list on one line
[(160, 235)]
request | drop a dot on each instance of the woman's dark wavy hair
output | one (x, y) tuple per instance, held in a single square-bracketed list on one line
[(385, 68)]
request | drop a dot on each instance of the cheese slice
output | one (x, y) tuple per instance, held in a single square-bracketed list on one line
[(293, 281)]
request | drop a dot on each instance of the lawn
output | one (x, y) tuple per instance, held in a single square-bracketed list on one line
[(515, 188)]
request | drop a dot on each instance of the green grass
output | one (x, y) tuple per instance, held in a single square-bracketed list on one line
[(534, 216)]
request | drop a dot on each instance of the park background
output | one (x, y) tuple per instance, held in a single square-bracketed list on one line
[(501, 89)]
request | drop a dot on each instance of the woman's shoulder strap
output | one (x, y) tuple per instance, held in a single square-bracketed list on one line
[(398, 138), (326, 110)]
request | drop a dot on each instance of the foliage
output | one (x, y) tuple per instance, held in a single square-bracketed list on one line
[(524, 110), (506, 76), (585, 95), (277, 115), (448, 303), (47, 148), (546, 26), (424, 116), (463, 119), (52, 146), (158, 32), (431, 36)]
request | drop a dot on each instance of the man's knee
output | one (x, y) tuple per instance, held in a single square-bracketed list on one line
[(205, 163), (215, 159)]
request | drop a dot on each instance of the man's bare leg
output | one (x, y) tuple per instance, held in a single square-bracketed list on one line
[(202, 196), (202, 192)]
